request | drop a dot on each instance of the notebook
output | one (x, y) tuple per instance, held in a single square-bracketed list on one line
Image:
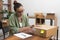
[(23, 35)]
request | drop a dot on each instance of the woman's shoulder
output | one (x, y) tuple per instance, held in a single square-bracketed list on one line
[(24, 15), (12, 15)]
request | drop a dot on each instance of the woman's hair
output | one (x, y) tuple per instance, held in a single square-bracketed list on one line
[(16, 5)]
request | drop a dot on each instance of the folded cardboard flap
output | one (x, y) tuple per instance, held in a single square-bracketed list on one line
[(45, 27)]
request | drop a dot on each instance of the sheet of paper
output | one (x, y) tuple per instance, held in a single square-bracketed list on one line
[(22, 35), (47, 22)]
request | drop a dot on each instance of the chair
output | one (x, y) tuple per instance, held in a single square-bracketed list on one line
[(0, 24)]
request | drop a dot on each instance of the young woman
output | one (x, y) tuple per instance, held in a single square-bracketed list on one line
[(18, 21)]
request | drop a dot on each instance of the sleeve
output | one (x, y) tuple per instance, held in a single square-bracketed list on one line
[(27, 21), (13, 27)]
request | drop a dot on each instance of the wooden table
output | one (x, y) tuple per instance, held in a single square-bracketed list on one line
[(34, 37)]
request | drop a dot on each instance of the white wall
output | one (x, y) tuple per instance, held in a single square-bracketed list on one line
[(32, 6), (45, 6)]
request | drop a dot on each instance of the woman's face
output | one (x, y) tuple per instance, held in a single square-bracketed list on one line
[(20, 10)]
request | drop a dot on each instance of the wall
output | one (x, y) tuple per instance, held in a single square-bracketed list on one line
[(45, 6)]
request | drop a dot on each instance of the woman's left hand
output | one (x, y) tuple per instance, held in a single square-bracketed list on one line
[(28, 30)]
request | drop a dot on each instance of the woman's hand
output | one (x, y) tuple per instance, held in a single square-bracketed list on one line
[(28, 30), (25, 29)]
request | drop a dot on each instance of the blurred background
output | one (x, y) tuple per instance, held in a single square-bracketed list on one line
[(31, 7)]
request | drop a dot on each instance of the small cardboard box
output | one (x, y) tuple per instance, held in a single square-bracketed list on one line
[(50, 16), (45, 31), (39, 15)]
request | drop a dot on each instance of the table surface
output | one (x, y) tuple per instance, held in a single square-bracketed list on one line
[(34, 37)]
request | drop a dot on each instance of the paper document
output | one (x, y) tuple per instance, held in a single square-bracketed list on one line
[(22, 35)]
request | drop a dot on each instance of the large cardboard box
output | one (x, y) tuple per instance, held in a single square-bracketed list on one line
[(45, 31)]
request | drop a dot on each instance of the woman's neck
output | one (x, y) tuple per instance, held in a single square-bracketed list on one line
[(20, 18), (19, 15)]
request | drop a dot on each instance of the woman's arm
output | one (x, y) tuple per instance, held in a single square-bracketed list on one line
[(26, 21), (13, 27)]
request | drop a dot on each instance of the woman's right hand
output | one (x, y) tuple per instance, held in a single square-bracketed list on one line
[(21, 29), (25, 29)]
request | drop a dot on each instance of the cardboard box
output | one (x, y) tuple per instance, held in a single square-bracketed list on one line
[(39, 15), (45, 31), (50, 16)]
